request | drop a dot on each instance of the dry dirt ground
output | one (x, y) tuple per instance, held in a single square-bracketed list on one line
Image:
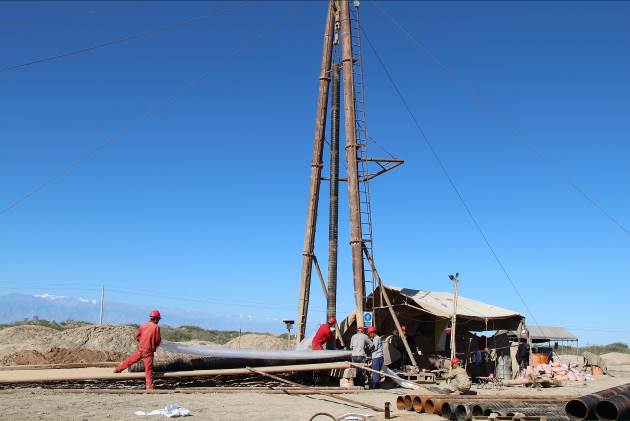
[(41, 404), (36, 345)]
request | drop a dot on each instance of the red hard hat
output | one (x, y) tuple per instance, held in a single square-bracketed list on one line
[(404, 328), (372, 329), (155, 314), (455, 361), (448, 330), (332, 321)]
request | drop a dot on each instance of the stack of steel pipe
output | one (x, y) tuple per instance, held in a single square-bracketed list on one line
[(436, 405), (509, 409), (608, 404)]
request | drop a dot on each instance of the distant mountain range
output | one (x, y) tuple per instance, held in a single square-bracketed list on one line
[(17, 307)]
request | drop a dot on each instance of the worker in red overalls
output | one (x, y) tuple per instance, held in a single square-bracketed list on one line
[(324, 334), (148, 337)]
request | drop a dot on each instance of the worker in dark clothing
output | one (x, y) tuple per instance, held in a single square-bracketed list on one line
[(148, 338), (522, 354), (412, 345), (324, 334), (377, 356)]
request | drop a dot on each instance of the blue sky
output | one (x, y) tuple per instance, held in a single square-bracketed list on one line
[(207, 198)]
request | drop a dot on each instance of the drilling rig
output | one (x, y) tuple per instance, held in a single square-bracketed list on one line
[(341, 82)]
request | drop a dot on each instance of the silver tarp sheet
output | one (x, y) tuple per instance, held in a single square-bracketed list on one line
[(215, 358)]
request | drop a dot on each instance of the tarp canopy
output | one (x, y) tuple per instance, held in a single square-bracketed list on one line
[(547, 333), (473, 315)]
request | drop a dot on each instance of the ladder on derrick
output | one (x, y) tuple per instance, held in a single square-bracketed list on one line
[(365, 206)]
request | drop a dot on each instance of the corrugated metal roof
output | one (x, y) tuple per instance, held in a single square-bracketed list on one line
[(441, 305), (549, 332)]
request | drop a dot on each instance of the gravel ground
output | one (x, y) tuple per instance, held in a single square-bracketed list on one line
[(43, 404)]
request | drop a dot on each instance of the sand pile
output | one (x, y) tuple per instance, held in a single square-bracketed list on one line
[(617, 361), (61, 356), (255, 341), (25, 337), (616, 358), (99, 337)]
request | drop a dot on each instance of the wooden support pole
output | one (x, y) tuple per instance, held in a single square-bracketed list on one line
[(316, 174), (321, 281), (390, 308), (317, 392), (356, 237), (454, 318)]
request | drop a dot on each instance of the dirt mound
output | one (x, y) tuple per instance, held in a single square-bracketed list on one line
[(18, 338), (61, 356), (616, 358), (255, 341), (26, 334), (100, 338)]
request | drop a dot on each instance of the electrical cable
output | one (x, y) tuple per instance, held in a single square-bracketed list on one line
[(144, 34), (448, 176), (146, 115), (505, 122)]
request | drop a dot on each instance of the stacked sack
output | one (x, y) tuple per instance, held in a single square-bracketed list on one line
[(558, 371)]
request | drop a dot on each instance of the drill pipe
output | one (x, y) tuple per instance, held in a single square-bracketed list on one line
[(432, 405), (584, 407), (463, 412), (614, 408), (408, 402), (400, 403), (448, 410), (530, 409), (417, 403)]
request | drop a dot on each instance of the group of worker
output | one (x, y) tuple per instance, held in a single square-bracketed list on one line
[(362, 347), (369, 347)]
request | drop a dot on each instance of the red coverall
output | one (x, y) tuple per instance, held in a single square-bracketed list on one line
[(148, 337), (322, 336)]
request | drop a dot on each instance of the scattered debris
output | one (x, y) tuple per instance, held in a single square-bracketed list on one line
[(170, 411)]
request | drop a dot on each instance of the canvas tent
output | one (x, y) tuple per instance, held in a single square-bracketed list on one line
[(427, 313)]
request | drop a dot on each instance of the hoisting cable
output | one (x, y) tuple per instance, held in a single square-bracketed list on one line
[(505, 122), (447, 175), (144, 34), (147, 114)]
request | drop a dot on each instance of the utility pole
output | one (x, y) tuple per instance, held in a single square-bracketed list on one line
[(455, 279), (100, 319)]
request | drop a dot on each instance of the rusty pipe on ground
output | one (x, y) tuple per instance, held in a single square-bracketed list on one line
[(417, 403), (400, 403), (463, 412), (614, 408), (584, 407), (408, 401)]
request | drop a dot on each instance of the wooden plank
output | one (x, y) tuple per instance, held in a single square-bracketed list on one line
[(56, 375), (317, 392)]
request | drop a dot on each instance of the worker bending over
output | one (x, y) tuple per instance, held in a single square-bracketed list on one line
[(460, 381), (360, 345), (324, 334), (148, 337), (377, 356)]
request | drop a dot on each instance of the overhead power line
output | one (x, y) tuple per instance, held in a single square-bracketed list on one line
[(146, 115), (518, 134), (144, 34), (447, 175)]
